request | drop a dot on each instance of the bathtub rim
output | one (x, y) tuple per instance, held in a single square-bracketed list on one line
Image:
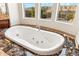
[(37, 49), (36, 53), (38, 30)]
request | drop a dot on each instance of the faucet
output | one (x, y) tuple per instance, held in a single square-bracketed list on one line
[(38, 27)]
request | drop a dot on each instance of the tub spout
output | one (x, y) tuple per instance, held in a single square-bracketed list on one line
[(38, 27)]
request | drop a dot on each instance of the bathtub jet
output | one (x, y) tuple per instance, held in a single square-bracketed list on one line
[(40, 42)]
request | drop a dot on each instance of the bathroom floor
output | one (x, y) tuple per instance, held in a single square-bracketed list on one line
[(14, 49)]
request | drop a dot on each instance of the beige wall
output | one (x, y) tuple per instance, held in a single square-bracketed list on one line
[(16, 18)]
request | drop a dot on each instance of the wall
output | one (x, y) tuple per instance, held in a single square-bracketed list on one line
[(13, 13)]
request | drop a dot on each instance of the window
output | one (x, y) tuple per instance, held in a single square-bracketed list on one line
[(66, 12), (46, 10), (29, 10), (63, 12), (4, 14)]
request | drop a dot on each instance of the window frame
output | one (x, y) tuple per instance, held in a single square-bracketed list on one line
[(70, 23), (38, 12), (54, 15), (23, 12), (45, 18)]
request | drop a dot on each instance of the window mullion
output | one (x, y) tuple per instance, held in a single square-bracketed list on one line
[(38, 11), (54, 7), (56, 12)]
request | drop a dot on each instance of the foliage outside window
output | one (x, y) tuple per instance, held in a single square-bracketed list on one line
[(29, 10), (66, 12), (46, 10)]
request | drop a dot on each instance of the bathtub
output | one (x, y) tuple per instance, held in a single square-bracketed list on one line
[(40, 42)]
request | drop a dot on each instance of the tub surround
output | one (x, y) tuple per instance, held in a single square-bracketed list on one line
[(14, 49)]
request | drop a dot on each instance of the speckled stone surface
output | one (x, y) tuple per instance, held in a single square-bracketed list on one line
[(14, 49)]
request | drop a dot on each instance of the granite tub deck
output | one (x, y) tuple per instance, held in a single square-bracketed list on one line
[(13, 49)]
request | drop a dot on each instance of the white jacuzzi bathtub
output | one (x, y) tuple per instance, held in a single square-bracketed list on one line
[(38, 41)]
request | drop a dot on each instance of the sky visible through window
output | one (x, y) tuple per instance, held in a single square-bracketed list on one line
[(68, 4), (28, 5), (46, 4)]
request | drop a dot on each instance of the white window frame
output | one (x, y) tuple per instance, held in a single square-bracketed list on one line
[(23, 12), (38, 12), (57, 11), (45, 18), (54, 15)]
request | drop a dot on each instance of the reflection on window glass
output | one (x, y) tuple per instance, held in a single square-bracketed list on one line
[(29, 9), (46, 10), (67, 12)]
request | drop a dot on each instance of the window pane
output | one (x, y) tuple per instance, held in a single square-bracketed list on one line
[(46, 10), (3, 11), (67, 12), (29, 9)]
